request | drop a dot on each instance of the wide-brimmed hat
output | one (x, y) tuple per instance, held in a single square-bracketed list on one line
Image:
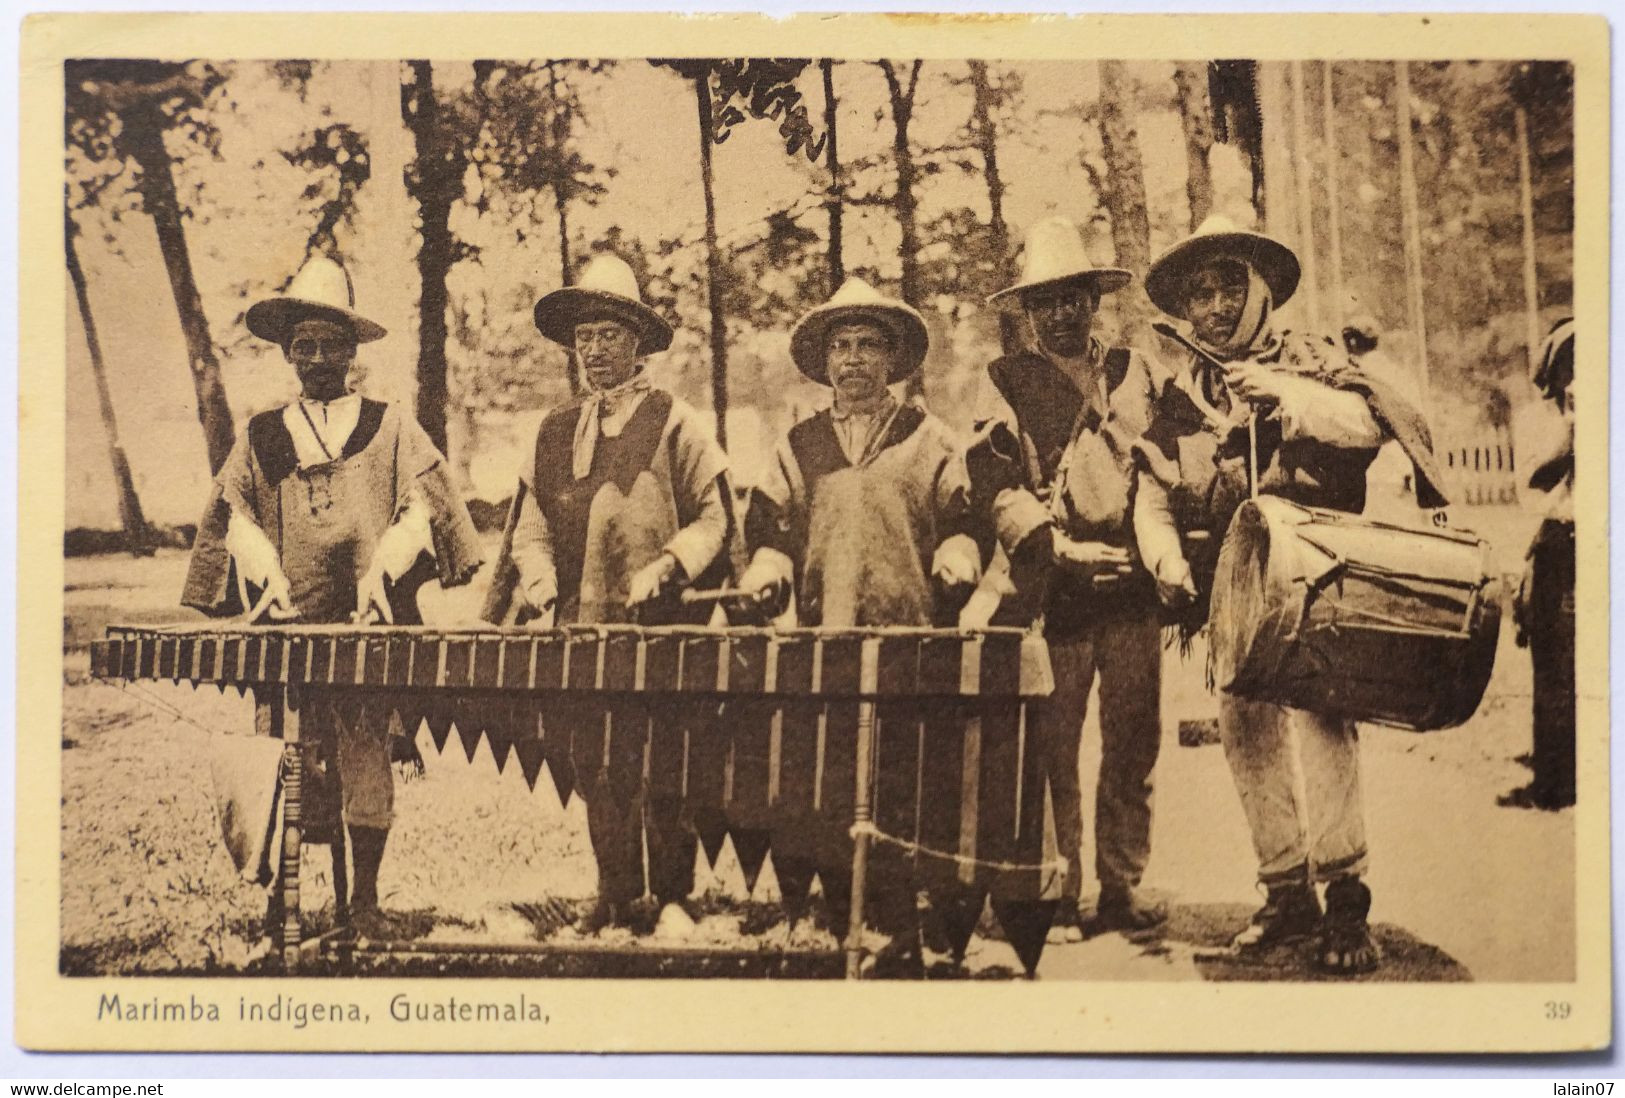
[(857, 302), (1055, 254), (607, 288), (1219, 238), (320, 290)]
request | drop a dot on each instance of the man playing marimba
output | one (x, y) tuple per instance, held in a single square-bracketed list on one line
[(333, 508), (1316, 424), (1053, 468), (625, 502), (863, 511)]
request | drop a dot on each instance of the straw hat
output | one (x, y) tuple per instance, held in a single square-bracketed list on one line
[(1219, 238), (1055, 254), (322, 290), (606, 288), (855, 302)]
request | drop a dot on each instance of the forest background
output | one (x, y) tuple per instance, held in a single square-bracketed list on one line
[(1435, 199)]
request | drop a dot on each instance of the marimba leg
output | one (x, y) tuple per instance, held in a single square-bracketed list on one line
[(280, 709)]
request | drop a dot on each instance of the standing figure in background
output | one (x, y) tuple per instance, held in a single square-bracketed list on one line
[(1319, 422), (625, 502), (332, 509), (862, 516), (1052, 472), (1544, 607)]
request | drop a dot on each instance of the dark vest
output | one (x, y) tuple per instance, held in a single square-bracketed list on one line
[(1046, 401), (566, 503)]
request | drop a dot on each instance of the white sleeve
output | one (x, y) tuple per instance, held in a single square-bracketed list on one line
[(532, 551), (1154, 529), (406, 539)]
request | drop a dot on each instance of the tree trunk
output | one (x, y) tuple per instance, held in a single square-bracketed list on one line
[(559, 132), (1196, 119), (433, 180), (905, 202), (837, 191), (1531, 284), (1334, 199), (137, 536), (1413, 234), (1125, 191), (987, 143), (144, 136), (713, 265), (1308, 247)]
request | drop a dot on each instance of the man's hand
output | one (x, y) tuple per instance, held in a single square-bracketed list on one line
[(955, 571), (372, 599), (1255, 384), (766, 595), (651, 580), (1175, 586), (1105, 566)]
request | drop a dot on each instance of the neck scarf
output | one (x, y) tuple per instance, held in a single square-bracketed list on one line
[(1254, 332), (1254, 336), (603, 402)]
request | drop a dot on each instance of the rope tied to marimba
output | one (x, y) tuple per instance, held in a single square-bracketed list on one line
[(159, 704), (1056, 867)]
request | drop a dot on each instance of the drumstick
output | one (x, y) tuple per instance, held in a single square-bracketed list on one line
[(691, 597)]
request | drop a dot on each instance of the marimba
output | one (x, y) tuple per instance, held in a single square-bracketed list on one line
[(821, 742)]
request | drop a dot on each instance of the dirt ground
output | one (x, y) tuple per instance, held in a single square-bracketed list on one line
[(1463, 889)]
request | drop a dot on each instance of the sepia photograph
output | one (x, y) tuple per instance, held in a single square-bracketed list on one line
[(1058, 514)]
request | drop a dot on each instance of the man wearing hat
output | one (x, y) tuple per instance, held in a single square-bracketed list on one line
[(330, 509), (1052, 470), (862, 515), (1315, 422), (625, 502)]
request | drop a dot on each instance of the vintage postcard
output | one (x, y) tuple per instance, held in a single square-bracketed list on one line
[(849, 533)]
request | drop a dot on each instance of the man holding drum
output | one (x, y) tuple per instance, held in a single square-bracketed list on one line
[(624, 502), (333, 508), (1053, 469), (1285, 413)]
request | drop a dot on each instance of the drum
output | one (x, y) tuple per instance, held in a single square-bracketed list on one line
[(1327, 611)]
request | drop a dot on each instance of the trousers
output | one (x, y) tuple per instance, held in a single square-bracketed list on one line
[(1298, 776), (626, 819), (1551, 646), (1124, 651)]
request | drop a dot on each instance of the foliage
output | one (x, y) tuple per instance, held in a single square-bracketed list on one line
[(762, 88), (337, 159), (115, 110)]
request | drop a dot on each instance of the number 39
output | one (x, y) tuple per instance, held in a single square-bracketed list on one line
[(1557, 1011)]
